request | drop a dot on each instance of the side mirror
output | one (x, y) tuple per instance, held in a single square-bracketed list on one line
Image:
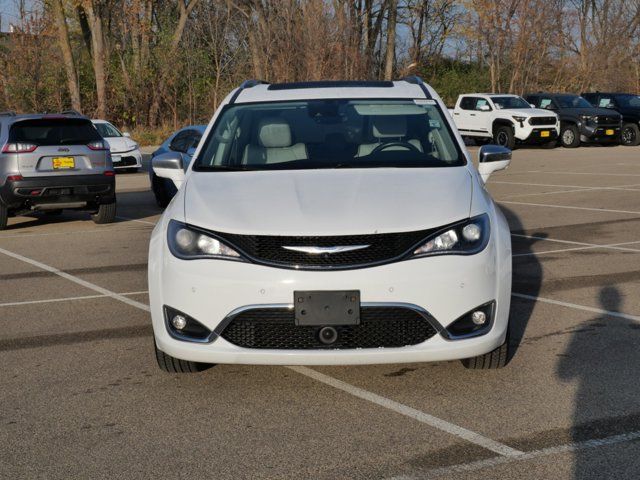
[(126, 134), (492, 158), (484, 108), (169, 165), (532, 105)]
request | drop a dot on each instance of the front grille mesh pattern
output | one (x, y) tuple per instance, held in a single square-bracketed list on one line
[(269, 249), (275, 328), (604, 120), (542, 121)]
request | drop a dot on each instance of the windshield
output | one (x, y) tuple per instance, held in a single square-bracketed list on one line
[(628, 101), (107, 130), (572, 101), (53, 131), (330, 134), (510, 102)]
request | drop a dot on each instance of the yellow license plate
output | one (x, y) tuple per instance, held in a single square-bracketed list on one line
[(609, 132), (545, 133), (60, 163)]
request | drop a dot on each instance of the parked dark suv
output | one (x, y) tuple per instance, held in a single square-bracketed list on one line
[(53, 162), (626, 104), (580, 122)]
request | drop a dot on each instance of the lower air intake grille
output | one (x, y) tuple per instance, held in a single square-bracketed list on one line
[(275, 328)]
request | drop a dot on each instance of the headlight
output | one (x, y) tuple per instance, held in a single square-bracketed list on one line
[(587, 118), (187, 243), (468, 237), (520, 119)]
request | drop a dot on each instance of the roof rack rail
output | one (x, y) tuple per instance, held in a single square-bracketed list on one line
[(246, 84), (416, 80), (331, 84), (8, 113), (71, 112)]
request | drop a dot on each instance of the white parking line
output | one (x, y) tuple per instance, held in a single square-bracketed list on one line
[(496, 461), (551, 172), (584, 187), (68, 299), (418, 415), (575, 306), (70, 232), (570, 207), (129, 219), (583, 245), (74, 279)]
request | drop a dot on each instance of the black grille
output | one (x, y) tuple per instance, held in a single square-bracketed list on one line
[(607, 120), (275, 328), (542, 121), (125, 162), (384, 247)]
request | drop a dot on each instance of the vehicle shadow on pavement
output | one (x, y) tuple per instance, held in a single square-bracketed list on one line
[(527, 280), (602, 360)]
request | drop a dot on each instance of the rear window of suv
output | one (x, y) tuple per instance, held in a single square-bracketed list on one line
[(53, 131)]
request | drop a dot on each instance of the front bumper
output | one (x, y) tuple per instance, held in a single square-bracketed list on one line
[(70, 191), (444, 286), (131, 159), (533, 134), (598, 134)]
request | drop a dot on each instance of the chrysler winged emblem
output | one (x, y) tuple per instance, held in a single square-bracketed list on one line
[(327, 250)]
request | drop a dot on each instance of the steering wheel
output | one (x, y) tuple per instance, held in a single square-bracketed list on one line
[(407, 145)]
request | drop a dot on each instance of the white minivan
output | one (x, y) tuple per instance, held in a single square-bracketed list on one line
[(331, 223)]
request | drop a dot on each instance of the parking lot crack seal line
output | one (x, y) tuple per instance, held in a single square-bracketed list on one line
[(407, 411), (497, 461), (79, 281)]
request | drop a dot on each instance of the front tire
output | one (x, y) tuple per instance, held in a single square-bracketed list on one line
[(630, 135), (504, 137), (170, 364), (106, 213), (570, 136), (4, 216), (493, 360)]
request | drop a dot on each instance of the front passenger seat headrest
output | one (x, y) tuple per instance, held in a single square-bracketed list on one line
[(274, 133), (389, 126)]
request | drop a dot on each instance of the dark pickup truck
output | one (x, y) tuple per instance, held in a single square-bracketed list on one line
[(628, 105), (580, 122)]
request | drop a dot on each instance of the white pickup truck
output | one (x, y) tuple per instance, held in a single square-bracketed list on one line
[(504, 120)]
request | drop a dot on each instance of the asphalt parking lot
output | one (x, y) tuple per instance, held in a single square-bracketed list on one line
[(82, 397)]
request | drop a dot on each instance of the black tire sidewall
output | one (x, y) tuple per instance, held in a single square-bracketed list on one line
[(636, 134), (4, 216), (510, 139), (576, 136)]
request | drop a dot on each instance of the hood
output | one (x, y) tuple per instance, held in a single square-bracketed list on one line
[(605, 112), (527, 112), (328, 202), (120, 144)]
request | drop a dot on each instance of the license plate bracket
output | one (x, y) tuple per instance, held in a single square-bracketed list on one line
[(327, 307)]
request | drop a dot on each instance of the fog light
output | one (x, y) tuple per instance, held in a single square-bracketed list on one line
[(478, 317), (179, 322)]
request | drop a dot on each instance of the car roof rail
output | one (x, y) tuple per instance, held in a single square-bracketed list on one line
[(71, 112), (8, 113), (246, 84), (416, 80)]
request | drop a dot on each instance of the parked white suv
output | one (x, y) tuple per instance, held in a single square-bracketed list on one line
[(330, 223), (504, 120)]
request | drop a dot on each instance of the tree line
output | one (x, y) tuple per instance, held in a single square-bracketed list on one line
[(147, 63)]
